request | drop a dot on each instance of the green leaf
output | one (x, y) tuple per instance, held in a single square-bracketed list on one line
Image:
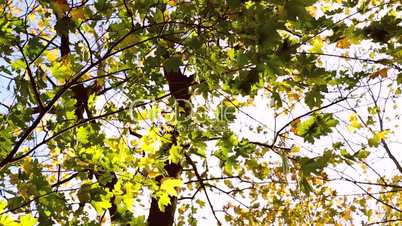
[(285, 163), (314, 98), (241, 59), (228, 168), (138, 221), (362, 154), (399, 78), (200, 203), (316, 126), (173, 63), (316, 165), (15, 203), (82, 135), (305, 186)]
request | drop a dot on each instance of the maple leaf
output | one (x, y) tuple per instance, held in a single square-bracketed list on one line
[(343, 43), (383, 73)]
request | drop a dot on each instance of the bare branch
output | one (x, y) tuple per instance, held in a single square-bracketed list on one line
[(304, 115), (201, 182), (31, 77)]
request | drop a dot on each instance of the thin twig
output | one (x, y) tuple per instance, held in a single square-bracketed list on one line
[(304, 115), (383, 222), (201, 182), (31, 77)]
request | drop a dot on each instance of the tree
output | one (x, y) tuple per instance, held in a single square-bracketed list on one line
[(155, 112)]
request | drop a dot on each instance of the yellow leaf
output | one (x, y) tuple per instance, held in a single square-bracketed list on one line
[(172, 2), (27, 165), (3, 205), (163, 201), (169, 185), (16, 10), (312, 10), (28, 220), (347, 215), (78, 14), (343, 43), (317, 44), (52, 55), (382, 135), (293, 96), (230, 54), (294, 126), (41, 24), (31, 17), (7, 220), (86, 76), (174, 154), (354, 122), (17, 131), (154, 172), (295, 149), (62, 70)]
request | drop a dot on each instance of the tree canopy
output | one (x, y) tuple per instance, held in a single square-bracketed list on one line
[(195, 112)]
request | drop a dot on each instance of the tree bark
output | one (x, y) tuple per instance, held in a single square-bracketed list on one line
[(156, 217), (179, 88)]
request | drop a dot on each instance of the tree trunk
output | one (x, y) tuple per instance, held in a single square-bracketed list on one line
[(166, 218), (178, 86)]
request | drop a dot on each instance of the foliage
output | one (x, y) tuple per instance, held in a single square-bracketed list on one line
[(89, 130)]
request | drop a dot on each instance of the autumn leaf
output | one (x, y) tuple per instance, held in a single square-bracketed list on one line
[(293, 96), (78, 14), (174, 154), (354, 122), (52, 55), (28, 220), (294, 126), (172, 2), (317, 45), (169, 185), (344, 43), (230, 54), (377, 137), (163, 201), (312, 10), (383, 73)]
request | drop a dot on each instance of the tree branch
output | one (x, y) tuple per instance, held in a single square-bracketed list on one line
[(31, 77), (201, 182), (304, 115)]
